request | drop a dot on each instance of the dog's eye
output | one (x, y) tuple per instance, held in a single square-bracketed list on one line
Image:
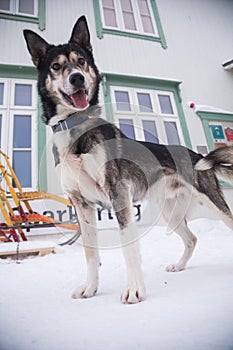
[(81, 61), (56, 66)]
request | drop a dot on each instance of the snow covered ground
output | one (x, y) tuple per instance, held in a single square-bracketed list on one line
[(192, 309)]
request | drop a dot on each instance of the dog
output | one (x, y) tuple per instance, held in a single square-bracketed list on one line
[(101, 166)]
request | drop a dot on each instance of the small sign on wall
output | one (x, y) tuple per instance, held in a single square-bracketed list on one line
[(229, 134), (217, 133), (222, 133)]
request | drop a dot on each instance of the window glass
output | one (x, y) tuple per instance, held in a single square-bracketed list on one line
[(144, 102), (1, 93), (5, 5), (128, 15), (22, 164), (165, 104), (145, 16), (22, 131), (0, 130), (150, 131), (122, 100), (127, 127), (18, 119), (172, 133), (23, 95), (26, 6), (109, 13)]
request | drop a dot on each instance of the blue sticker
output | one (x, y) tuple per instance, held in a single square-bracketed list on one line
[(217, 132)]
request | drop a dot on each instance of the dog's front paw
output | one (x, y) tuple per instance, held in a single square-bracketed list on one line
[(175, 267), (84, 291), (133, 295)]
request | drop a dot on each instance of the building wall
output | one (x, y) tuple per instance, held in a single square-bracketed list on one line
[(199, 39), (198, 35)]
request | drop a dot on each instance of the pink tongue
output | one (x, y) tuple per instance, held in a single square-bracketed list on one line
[(79, 99)]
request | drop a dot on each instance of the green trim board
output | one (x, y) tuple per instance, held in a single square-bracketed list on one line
[(109, 79), (17, 72), (100, 30), (25, 72), (40, 20)]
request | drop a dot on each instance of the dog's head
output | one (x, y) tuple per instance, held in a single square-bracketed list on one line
[(68, 79)]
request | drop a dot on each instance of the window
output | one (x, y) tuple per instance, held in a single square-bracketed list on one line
[(24, 10), (19, 7), (147, 115), (133, 18), (127, 127), (218, 128), (129, 15), (0, 130), (18, 100)]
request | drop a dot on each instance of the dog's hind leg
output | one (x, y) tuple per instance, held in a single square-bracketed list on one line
[(189, 241), (87, 221), (177, 222)]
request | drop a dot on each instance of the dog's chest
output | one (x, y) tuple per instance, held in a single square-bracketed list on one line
[(83, 174)]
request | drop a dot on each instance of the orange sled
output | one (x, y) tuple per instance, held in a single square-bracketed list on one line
[(21, 218)]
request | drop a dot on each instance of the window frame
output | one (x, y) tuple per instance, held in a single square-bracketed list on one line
[(32, 149), (5, 127), (9, 110), (22, 73), (137, 18), (14, 9), (5, 95), (34, 99), (38, 18), (154, 87), (102, 29)]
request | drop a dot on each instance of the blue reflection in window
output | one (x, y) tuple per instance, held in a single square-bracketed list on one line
[(22, 131), (23, 95), (127, 127), (22, 164), (150, 131), (122, 100), (172, 133), (1, 93), (144, 102)]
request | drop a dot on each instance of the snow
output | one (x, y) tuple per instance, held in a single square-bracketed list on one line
[(192, 309), (28, 245), (205, 108)]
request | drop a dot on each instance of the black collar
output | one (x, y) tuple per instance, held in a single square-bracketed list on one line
[(69, 123)]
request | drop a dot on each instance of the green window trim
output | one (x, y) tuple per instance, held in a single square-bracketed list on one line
[(40, 20), (100, 30), (25, 72), (207, 117), (109, 79)]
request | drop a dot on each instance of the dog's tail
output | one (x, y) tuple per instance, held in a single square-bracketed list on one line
[(221, 161)]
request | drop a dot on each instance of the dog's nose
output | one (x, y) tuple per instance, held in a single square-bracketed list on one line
[(77, 80)]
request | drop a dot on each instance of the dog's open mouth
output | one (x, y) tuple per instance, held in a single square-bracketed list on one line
[(78, 99)]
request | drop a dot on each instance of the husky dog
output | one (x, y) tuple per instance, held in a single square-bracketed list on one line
[(101, 166)]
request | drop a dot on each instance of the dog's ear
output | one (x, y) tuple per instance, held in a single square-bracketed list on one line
[(36, 45), (80, 34)]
